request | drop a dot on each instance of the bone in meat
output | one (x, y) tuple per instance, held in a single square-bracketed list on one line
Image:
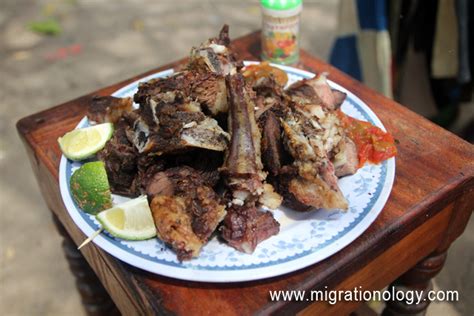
[(108, 109), (215, 56), (244, 225), (243, 165), (309, 140), (208, 89), (185, 208), (171, 122)]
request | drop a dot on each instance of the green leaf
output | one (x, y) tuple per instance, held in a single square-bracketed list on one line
[(45, 27)]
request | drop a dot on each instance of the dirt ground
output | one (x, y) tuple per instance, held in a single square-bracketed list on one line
[(100, 43)]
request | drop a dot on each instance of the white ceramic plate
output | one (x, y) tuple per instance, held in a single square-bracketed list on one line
[(304, 238)]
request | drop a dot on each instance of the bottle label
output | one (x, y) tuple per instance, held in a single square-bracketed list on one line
[(280, 39)]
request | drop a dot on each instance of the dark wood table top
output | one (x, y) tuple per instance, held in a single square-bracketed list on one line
[(430, 204)]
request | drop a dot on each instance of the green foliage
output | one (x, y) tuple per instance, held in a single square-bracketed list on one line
[(46, 27)]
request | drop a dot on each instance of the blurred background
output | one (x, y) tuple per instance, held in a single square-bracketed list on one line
[(54, 50)]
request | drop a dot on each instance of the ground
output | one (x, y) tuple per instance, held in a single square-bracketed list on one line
[(102, 43)]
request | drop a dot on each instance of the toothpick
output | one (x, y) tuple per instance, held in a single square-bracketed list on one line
[(89, 239)]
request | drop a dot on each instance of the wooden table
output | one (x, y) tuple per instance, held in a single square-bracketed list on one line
[(429, 207)]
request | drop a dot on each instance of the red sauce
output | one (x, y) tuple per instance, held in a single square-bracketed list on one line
[(373, 144)]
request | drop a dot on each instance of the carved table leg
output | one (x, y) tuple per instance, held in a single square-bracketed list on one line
[(416, 279), (95, 299)]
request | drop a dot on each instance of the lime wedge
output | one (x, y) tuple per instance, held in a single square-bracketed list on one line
[(90, 187), (82, 143), (131, 220)]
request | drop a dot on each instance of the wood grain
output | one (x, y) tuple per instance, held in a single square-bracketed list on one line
[(434, 172)]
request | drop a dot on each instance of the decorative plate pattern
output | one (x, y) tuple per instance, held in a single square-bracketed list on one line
[(304, 238)]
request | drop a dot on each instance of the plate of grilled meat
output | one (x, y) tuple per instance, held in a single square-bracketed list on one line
[(251, 170)]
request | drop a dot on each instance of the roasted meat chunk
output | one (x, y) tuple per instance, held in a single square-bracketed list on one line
[(316, 91), (339, 97), (243, 165), (215, 56), (126, 168), (185, 208), (177, 179), (170, 122), (108, 109), (120, 159), (208, 89), (346, 160), (311, 133), (272, 146), (245, 227)]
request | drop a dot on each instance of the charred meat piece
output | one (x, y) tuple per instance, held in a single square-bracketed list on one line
[(120, 160), (171, 122), (185, 208), (316, 91), (316, 193), (147, 166), (288, 173), (126, 169), (174, 227), (311, 133), (176, 180), (245, 227), (270, 96), (108, 109), (346, 160), (208, 89), (339, 97), (215, 56), (177, 82), (243, 166), (319, 189), (272, 148)]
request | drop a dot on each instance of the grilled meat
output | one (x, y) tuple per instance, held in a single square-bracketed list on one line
[(175, 180), (245, 226), (339, 97), (270, 96), (171, 148), (272, 147), (346, 160), (170, 122), (126, 169), (208, 89), (316, 91), (108, 109), (215, 56), (120, 160), (185, 208), (243, 166), (311, 133)]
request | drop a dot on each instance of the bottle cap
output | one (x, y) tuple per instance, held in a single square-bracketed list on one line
[(281, 4)]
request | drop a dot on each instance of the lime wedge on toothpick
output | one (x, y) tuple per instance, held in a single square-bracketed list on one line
[(83, 143), (131, 220)]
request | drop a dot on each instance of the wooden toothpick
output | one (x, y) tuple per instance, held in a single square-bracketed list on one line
[(89, 239)]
